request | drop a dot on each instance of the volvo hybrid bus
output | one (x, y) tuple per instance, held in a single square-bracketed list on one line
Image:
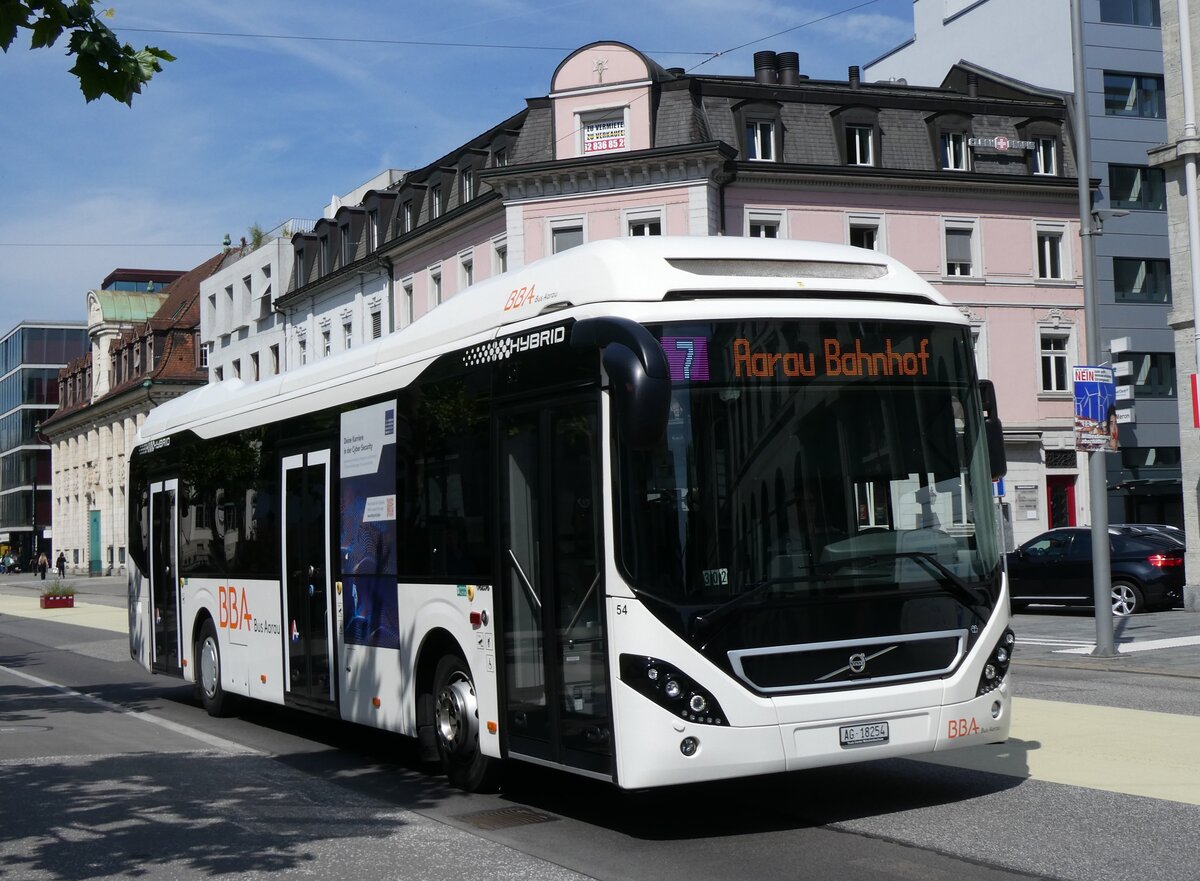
[(651, 510)]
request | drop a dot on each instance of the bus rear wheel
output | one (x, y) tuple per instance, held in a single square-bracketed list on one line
[(208, 672), (456, 727)]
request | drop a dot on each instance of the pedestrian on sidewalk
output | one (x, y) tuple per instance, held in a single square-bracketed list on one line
[(61, 565), (42, 564)]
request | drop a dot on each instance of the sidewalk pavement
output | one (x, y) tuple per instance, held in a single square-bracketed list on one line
[(100, 602)]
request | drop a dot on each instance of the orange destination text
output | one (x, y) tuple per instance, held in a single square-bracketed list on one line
[(837, 360)]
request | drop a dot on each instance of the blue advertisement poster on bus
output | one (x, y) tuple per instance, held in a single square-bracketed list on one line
[(1095, 409), (368, 528)]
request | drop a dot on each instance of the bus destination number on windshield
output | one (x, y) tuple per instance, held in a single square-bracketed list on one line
[(859, 735), (716, 577)]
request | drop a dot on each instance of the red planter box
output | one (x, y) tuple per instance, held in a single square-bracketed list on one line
[(67, 602)]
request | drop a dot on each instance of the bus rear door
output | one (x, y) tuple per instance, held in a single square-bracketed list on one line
[(164, 577)]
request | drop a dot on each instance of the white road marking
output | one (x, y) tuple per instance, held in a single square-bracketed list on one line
[(1141, 645), (187, 731)]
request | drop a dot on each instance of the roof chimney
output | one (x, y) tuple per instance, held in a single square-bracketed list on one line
[(854, 76), (973, 85), (789, 68), (765, 67)]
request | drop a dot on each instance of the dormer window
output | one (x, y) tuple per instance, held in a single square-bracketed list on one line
[(347, 245), (603, 131), (467, 184), (760, 140), (953, 151), (1045, 156), (856, 130), (860, 141), (435, 202)]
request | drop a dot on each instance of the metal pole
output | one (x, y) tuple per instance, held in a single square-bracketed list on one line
[(1097, 468)]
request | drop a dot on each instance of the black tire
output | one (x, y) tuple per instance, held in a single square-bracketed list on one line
[(208, 672), (456, 728), (1126, 599)]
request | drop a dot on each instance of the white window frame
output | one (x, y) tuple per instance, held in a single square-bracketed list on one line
[(565, 222), (861, 221), (1045, 156), (971, 225), (467, 184), (326, 342), (466, 268), (642, 216), (1053, 235), (955, 154), (1066, 355), (500, 254), (765, 217), (756, 128), (586, 116), (857, 130), (979, 337), (348, 333), (302, 350), (435, 201), (436, 292), (409, 300)]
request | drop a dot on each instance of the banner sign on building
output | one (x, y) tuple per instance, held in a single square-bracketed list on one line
[(1096, 417), (604, 136)]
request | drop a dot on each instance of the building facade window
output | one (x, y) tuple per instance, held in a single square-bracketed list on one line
[(602, 131), (326, 343), (863, 231), (954, 152), (762, 224), (347, 245), (406, 217), (254, 376), (1138, 12), (348, 335), (1138, 187), (302, 345), (500, 254), (466, 264), (1050, 254), (760, 140), (467, 185), (1045, 156), (372, 229), (323, 256), (409, 301), (376, 324), (1134, 94), (435, 287), (650, 227), (860, 145), (435, 202), (1153, 374), (563, 238), (1053, 345), (1141, 280), (274, 359), (961, 246)]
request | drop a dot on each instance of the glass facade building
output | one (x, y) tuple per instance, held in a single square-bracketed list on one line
[(30, 357)]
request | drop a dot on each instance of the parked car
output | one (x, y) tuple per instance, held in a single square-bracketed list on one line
[(1167, 531), (1056, 567)]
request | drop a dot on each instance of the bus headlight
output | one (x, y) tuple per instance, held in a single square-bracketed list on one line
[(997, 665), (671, 689)]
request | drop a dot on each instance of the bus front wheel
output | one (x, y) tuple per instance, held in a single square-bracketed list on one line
[(456, 724), (208, 672)]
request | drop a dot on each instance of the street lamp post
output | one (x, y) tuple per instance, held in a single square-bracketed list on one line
[(1097, 467)]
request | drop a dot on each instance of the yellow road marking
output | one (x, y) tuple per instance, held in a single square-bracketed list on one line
[(1135, 752)]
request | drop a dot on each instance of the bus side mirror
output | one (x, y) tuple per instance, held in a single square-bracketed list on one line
[(993, 429), (639, 377)]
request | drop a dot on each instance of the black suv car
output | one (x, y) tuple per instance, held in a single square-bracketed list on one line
[(1056, 567)]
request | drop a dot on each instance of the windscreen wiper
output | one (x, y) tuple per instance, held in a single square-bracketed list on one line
[(931, 564), (702, 623)]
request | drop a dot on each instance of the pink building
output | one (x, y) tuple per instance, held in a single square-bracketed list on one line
[(971, 185)]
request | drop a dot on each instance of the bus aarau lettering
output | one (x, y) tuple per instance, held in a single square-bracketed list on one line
[(836, 360), (233, 612)]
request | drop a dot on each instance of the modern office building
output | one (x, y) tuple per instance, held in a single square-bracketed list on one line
[(1030, 41), (31, 355)]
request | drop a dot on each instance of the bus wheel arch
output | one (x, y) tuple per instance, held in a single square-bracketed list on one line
[(208, 672), (448, 715)]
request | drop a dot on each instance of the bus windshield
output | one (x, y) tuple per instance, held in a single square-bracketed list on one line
[(818, 480)]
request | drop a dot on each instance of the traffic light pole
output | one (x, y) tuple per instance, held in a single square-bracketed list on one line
[(1097, 467)]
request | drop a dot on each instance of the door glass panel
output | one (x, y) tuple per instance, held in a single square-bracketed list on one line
[(583, 723), (525, 679), (163, 586), (307, 593)]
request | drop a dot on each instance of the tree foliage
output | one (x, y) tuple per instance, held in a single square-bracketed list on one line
[(103, 65)]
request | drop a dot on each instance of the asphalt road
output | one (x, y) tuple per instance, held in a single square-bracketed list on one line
[(107, 772)]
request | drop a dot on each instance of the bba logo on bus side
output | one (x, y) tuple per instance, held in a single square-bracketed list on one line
[(233, 612)]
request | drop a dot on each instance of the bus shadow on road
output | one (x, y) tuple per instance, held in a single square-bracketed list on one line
[(796, 800)]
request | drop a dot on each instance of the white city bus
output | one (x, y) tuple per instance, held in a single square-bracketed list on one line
[(651, 510)]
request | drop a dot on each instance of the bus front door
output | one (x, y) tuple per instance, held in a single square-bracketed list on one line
[(555, 676), (308, 607), (164, 577)]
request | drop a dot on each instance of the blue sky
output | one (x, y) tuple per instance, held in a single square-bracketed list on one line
[(254, 130)]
